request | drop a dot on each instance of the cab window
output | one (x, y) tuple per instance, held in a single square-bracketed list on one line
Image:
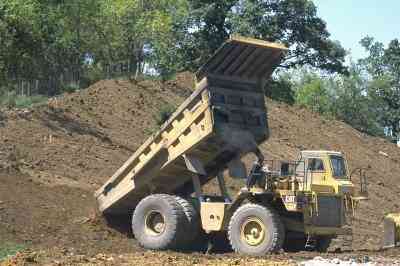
[(338, 166), (316, 165)]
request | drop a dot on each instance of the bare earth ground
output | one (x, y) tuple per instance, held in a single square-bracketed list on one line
[(54, 156)]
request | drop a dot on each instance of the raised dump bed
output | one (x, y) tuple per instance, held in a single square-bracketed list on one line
[(225, 117)]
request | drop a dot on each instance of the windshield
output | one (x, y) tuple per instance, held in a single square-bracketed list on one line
[(338, 167)]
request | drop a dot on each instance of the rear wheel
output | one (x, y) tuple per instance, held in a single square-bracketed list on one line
[(191, 222), (158, 222), (255, 230)]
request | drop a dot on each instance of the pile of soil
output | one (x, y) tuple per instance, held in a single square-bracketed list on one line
[(53, 157)]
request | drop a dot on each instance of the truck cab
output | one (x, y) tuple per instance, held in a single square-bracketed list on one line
[(324, 183), (325, 172), (312, 194)]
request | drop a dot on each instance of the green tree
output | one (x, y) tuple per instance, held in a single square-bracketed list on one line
[(141, 32), (343, 97), (165, 57), (352, 104), (292, 22), (19, 38), (44, 38), (383, 67), (313, 93), (281, 88)]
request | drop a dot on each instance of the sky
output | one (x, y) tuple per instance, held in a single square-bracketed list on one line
[(349, 21)]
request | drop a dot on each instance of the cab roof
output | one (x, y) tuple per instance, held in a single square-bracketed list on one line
[(320, 152)]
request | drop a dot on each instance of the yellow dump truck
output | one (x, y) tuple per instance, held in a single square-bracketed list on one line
[(160, 186)]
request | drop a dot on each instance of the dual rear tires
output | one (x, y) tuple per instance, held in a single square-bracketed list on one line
[(163, 221), (167, 222)]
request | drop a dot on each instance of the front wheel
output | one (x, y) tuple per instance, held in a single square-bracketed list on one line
[(255, 230)]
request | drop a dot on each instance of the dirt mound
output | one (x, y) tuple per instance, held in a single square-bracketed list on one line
[(54, 156), (82, 138)]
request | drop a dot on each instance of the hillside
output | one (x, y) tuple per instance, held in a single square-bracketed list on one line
[(54, 156)]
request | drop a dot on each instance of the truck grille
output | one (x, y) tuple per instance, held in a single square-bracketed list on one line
[(330, 212)]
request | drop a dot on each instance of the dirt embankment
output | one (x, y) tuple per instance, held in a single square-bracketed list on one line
[(54, 156)]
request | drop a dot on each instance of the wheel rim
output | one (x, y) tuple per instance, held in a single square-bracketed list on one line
[(252, 231), (154, 223)]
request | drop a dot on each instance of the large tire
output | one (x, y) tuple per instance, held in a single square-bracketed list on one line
[(191, 221), (158, 222), (255, 230)]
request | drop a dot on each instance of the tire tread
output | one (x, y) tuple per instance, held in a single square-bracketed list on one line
[(278, 236), (175, 237)]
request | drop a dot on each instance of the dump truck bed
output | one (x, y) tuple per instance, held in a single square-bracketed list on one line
[(225, 117)]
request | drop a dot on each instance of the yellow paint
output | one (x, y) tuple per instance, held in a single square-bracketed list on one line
[(213, 215), (396, 219)]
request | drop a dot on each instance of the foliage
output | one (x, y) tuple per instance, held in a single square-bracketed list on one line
[(142, 32), (165, 56), (8, 249), (91, 74), (162, 116), (70, 88), (383, 67), (281, 88), (28, 101), (292, 22), (313, 93), (343, 97), (164, 113), (12, 100), (352, 104), (40, 39), (368, 98), (43, 39)]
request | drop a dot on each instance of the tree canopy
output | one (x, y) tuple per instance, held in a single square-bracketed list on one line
[(42, 38), (57, 43), (292, 22), (383, 67), (368, 97)]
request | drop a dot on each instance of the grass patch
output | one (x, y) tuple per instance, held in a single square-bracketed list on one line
[(9, 249), (70, 88), (25, 101), (159, 118), (17, 101), (164, 113)]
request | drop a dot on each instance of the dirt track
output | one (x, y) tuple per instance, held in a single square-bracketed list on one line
[(53, 157)]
